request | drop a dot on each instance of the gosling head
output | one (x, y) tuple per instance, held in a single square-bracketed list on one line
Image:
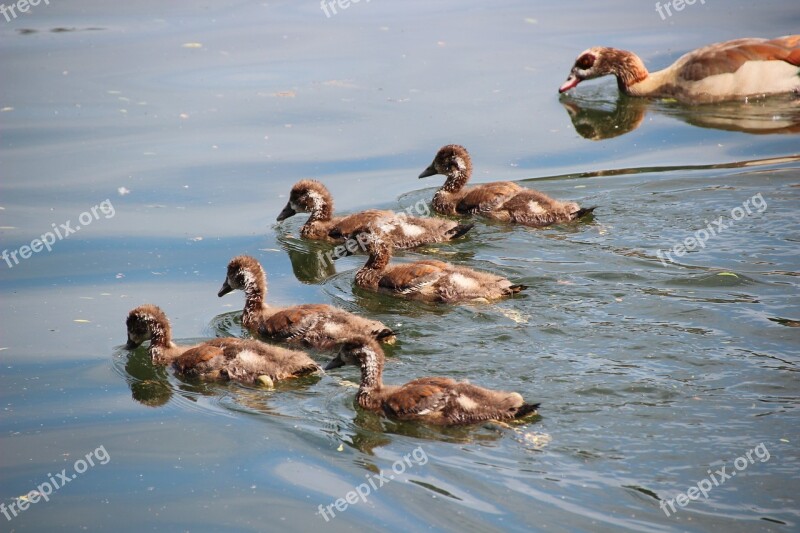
[(307, 196), (143, 322), (450, 160)]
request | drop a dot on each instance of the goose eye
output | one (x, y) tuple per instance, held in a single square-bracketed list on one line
[(585, 61)]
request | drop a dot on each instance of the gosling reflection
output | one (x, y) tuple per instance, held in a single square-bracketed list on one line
[(312, 261), (148, 383), (604, 118)]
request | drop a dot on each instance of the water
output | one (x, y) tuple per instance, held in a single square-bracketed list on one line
[(193, 121)]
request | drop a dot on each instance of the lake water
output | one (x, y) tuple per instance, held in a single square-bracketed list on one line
[(191, 121)]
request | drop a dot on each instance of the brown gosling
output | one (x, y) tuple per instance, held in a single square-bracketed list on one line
[(428, 280), (310, 196), (501, 200), (245, 360), (319, 326), (434, 400)]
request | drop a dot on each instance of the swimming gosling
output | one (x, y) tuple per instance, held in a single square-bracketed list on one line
[(433, 400), (319, 326), (310, 196), (501, 200), (244, 360), (428, 280)]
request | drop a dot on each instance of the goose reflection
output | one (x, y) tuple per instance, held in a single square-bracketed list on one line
[(603, 117)]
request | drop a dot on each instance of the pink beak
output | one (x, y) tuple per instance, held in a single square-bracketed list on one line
[(571, 82)]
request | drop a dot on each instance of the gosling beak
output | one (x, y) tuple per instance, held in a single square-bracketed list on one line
[(336, 362), (287, 212), (571, 82), (430, 171), (131, 344), (226, 288)]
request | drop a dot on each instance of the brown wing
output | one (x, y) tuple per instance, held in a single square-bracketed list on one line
[(724, 58), (285, 323), (487, 197), (412, 276), (201, 359), (421, 397), (359, 222), (537, 209)]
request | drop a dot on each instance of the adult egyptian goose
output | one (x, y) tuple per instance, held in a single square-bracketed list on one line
[(244, 360), (440, 401), (500, 200), (310, 196), (428, 280), (722, 71), (318, 326)]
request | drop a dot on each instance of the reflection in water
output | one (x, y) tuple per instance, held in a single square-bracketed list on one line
[(148, 383), (310, 263), (597, 120), (603, 117)]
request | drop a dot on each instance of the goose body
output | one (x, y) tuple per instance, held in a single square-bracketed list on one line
[(730, 70), (319, 326), (310, 196), (500, 200), (434, 400), (244, 360), (428, 280)]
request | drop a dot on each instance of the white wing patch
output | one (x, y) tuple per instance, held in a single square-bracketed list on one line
[(535, 208), (467, 403), (464, 281), (333, 329), (411, 230), (249, 359)]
